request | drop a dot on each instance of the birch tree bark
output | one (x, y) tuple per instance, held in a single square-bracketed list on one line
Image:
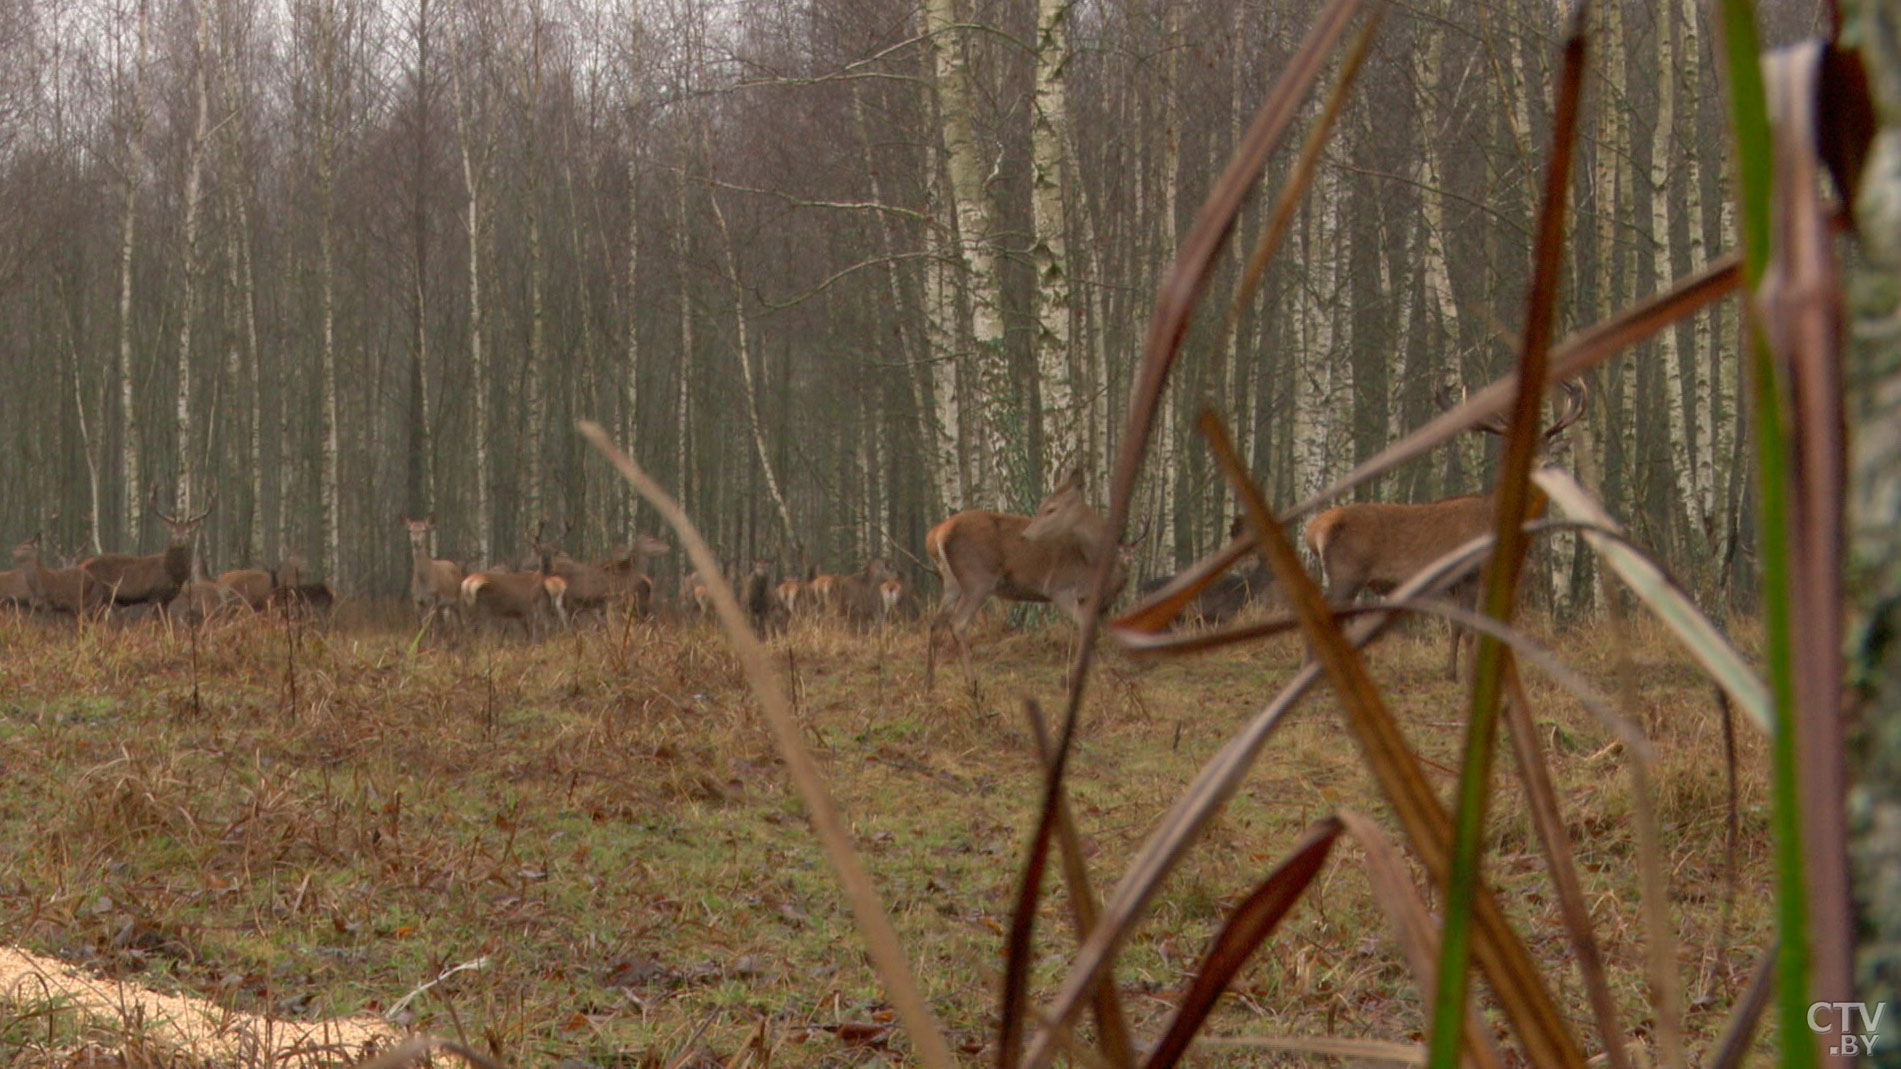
[(131, 163), (1436, 265), (475, 157), (243, 358), (1663, 154), (182, 411), (1049, 141), (422, 428), (1003, 481), (948, 447), (534, 400), (1168, 180)]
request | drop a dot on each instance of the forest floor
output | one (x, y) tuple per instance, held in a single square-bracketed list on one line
[(585, 851)]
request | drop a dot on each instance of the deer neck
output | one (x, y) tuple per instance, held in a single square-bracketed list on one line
[(178, 562)]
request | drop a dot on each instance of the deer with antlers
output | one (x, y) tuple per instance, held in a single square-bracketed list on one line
[(154, 579), (1049, 557), (1377, 546)]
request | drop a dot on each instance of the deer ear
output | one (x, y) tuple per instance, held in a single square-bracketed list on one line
[(1073, 482)]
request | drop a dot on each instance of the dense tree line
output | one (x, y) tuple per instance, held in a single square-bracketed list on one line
[(832, 268)]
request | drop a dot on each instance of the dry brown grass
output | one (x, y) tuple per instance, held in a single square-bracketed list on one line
[(299, 823)]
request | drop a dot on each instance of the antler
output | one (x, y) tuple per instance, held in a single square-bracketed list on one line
[(1443, 397), (1577, 398)]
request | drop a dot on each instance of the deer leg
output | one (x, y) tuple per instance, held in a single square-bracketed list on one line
[(952, 595), (968, 602)]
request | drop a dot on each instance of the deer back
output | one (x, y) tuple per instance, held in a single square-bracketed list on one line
[(254, 585), (979, 548), (1379, 545)]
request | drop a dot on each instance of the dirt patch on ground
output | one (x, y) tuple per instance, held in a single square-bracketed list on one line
[(193, 1027)]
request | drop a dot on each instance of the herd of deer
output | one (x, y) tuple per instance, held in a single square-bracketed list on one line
[(1051, 556), (554, 587), (168, 583)]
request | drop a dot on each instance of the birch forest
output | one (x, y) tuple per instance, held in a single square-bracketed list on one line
[(831, 269)]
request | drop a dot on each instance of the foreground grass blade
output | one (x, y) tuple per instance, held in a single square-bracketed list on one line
[(1251, 922), (1174, 305), (1555, 840), (1749, 126), (1732, 1050), (1413, 926), (1666, 601), (1576, 355), (887, 954), (1204, 798), (1515, 979), (1298, 178), (1801, 304), (1084, 907), (1513, 497)]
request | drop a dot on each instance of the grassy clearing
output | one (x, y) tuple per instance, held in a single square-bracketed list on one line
[(299, 824)]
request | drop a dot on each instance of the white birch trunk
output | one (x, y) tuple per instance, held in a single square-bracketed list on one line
[(131, 164), (1663, 153), (630, 375), (534, 399), (1440, 300), (182, 411), (944, 343), (1001, 425), (1049, 141), (683, 397), (474, 174), (1166, 450), (1705, 404)]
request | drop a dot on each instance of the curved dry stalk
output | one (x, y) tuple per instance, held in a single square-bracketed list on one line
[(1175, 304), (1084, 906), (1516, 981), (1412, 924), (1247, 926), (1542, 798), (1664, 598), (887, 954)]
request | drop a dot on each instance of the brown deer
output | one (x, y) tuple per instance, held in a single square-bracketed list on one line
[(855, 597), (890, 594), (14, 593), (1377, 546), (1228, 594), (257, 585), (434, 584), (203, 600), (699, 593), (592, 588), (1050, 557), (791, 597), (154, 579), (302, 601), (528, 599), (822, 592), (68, 591)]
